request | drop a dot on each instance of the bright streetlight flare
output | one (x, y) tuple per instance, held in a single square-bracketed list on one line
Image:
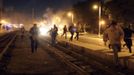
[(95, 7), (102, 22), (43, 31), (70, 14)]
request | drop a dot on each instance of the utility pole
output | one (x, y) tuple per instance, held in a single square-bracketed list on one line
[(100, 17)]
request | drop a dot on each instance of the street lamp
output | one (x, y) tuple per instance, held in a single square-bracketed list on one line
[(102, 22), (70, 14), (98, 7), (95, 7)]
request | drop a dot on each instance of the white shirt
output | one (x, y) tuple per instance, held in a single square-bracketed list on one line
[(113, 34)]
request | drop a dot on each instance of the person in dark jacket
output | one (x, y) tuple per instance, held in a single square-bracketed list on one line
[(34, 31), (77, 32), (54, 33), (64, 32), (71, 30), (127, 38)]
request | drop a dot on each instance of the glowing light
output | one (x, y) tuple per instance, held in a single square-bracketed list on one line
[(102, 22), (74, 24), (21, 25), (43, 31), (95, 7), (4, 21), (41, 24), (60, 29), (69, 14)]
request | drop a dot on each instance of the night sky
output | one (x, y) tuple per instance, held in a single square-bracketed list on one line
[(39, 5)]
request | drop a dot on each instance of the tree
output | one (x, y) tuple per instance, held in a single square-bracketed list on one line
[(86, 15), (122, 10)]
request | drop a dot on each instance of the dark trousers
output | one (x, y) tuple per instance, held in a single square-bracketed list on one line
[(128, 44), (64, 33), (72, 34), (77, 35), (34, 45), (53, 39)]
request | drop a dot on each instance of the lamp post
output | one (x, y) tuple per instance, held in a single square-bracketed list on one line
[(99, 22), (70, 14)]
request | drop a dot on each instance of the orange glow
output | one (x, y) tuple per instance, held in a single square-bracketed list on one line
[(102, 22), (70, 14), (4, 21)]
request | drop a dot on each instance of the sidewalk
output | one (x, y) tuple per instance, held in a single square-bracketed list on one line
[(97, 38), (98, 49), (25, 62)]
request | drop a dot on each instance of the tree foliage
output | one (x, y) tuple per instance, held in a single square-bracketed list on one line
[(86, 15), (121, 10)]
